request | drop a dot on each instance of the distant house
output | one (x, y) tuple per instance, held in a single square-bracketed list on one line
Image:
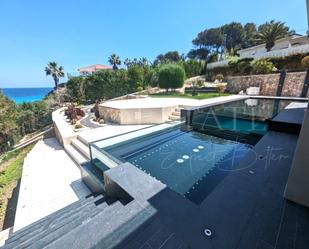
[(93, 68), (281, 44), (295, 44)]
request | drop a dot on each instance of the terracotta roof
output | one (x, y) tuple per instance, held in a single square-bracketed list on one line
[(93, 68)]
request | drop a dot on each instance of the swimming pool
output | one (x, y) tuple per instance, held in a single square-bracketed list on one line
[(176, 157), (247, 116), (192, 160)]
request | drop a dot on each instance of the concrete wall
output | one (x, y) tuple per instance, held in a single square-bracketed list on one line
[(63, 131), (297, 189), (268, 84), (155, 115)]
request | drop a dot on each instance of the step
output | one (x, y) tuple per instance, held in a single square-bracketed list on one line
[(58, 228), (96, 226), (75, 155), (4, 235), (178, 109), (174, 118), (81, 147), (83, 140), (176, 114), (40, 225)]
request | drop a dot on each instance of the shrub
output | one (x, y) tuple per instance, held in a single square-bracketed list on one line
[(78, 126), (193, 67), (195, 84), (220, 88), (139, 88), (171, 76), (76, 89), (107, 84), (220, 77), (240, 66), (136, 77), (305, 61), (290, 63), (262, 66)]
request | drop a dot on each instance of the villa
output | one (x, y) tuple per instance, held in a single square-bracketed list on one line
[(221, 175), (93, 68), (154, 164), (295, 44)]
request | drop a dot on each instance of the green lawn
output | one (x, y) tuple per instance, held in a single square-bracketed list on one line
[(10, 173), (187, 95)]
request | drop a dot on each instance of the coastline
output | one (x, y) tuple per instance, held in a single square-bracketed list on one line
[(26, 95)]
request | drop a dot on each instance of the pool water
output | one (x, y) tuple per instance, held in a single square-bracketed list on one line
[(180, 159), (243, 116)]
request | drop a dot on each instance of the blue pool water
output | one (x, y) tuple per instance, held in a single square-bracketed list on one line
[(20, 95), (180, 159), (244, 116)]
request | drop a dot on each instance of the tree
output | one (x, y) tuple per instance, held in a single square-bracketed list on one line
[(271, 31), (171, 56), (199, 54), (234, 36), (171, 76), (143, 62), (211, 39), (193, 67), (114, 60), (55, 71), (8, 126), (76, 89), (249, 34)]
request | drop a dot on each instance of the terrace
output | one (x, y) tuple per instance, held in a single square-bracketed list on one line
[(161, 185)]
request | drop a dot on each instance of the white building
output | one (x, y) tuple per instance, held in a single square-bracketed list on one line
[(281, 44), (295, 44)]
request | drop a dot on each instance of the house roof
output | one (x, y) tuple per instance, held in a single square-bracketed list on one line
[(93, 68)]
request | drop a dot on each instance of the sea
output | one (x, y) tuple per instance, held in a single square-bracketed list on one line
[(20, 95)]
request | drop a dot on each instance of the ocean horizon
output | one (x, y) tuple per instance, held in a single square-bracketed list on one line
[(26, 94)]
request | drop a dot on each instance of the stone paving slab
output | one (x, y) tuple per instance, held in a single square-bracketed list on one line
[(50, 181)]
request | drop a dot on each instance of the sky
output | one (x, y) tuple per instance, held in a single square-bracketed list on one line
[(78, 33)]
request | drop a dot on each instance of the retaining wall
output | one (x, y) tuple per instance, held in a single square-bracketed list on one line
[(268, 84)]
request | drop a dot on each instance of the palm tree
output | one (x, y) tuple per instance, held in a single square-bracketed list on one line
[(55, 71), (114, 60), (270, 32)]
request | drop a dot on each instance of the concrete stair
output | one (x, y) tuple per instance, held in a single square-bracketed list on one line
[(175, 116), (59, 224), (78, 150), (81, 147)]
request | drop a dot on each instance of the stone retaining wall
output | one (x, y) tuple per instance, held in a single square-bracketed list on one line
[(268, 84)]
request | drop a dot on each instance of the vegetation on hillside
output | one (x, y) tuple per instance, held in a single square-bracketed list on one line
[(229, 38), (10, 173), (187, 95), (19, 120), (272, 31)]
